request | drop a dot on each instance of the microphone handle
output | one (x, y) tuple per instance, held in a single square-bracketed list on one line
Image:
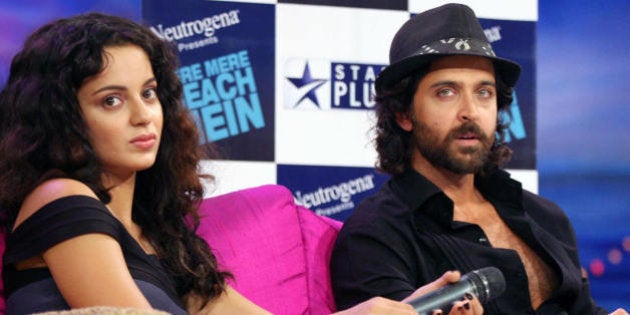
[(442, 298)]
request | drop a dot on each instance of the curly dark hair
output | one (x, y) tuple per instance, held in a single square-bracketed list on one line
[(394, 145), (43, 136)]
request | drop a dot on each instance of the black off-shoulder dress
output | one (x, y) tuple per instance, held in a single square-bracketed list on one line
[(34, 290)]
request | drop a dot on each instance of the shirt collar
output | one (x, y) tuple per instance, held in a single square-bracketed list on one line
[(416, 191), (500, 187), (414, 188)]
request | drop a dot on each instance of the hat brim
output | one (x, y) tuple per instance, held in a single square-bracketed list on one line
[(508, 70)]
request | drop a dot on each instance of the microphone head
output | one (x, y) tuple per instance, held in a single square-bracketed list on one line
[(488, 283)]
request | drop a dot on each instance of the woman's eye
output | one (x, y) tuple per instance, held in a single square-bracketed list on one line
[(149, 93), (112, 101)]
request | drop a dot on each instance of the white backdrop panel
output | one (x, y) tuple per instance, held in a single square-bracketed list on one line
[(318, 35)]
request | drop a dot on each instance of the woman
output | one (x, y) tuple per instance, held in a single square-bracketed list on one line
[(98, 178)]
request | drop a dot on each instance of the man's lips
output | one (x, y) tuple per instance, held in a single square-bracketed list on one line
[(468, 136)]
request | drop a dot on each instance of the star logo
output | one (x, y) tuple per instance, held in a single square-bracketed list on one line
[(307, 87)]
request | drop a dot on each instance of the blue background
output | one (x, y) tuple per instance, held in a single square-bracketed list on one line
[(583, 111), (583, 115)]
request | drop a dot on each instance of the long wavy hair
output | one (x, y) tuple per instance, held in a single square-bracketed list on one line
[(43, 136), (394, 145)]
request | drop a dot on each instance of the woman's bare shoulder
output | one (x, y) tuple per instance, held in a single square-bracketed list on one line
[(48, 192)]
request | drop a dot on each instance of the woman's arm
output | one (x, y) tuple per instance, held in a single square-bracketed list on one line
[(90, 270), (232, 302)]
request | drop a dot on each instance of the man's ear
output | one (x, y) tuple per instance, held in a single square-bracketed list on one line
[(404, 121)]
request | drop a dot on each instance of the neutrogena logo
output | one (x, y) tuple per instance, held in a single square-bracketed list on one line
[(335, 198), (205, 27)]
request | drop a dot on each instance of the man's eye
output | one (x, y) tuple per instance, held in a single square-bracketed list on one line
[(445, 92), (486, 93)]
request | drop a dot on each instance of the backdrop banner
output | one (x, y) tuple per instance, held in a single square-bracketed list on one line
[(292, 84)]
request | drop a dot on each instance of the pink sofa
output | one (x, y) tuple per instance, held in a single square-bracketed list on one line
[(277, 251)]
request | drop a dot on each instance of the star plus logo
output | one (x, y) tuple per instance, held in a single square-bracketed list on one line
[(307, 86), (317, 84)]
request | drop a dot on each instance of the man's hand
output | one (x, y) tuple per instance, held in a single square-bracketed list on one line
[(469, 304)]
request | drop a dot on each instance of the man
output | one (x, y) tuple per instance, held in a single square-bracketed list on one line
[(448, 205)]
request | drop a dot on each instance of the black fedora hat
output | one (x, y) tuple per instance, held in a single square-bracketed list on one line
[(451, 29)]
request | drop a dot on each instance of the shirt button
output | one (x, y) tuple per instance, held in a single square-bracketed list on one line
[(483, 240)]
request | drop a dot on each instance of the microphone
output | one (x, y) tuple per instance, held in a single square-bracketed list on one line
[(485, 283)]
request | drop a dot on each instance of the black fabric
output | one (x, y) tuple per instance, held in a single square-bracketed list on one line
[(450, 29), (69, 217), (404, 237)]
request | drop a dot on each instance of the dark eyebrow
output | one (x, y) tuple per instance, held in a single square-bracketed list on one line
[(443, 83), (453, 83), (120, 87), (490, 83)]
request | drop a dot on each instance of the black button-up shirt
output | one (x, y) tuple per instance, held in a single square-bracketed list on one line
[(404, 237)]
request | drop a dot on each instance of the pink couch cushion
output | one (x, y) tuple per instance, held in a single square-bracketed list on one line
[(277, 251)]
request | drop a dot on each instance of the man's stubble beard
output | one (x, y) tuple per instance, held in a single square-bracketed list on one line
[(441, 154)]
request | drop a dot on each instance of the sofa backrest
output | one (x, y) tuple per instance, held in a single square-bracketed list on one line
[(277, 251)]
